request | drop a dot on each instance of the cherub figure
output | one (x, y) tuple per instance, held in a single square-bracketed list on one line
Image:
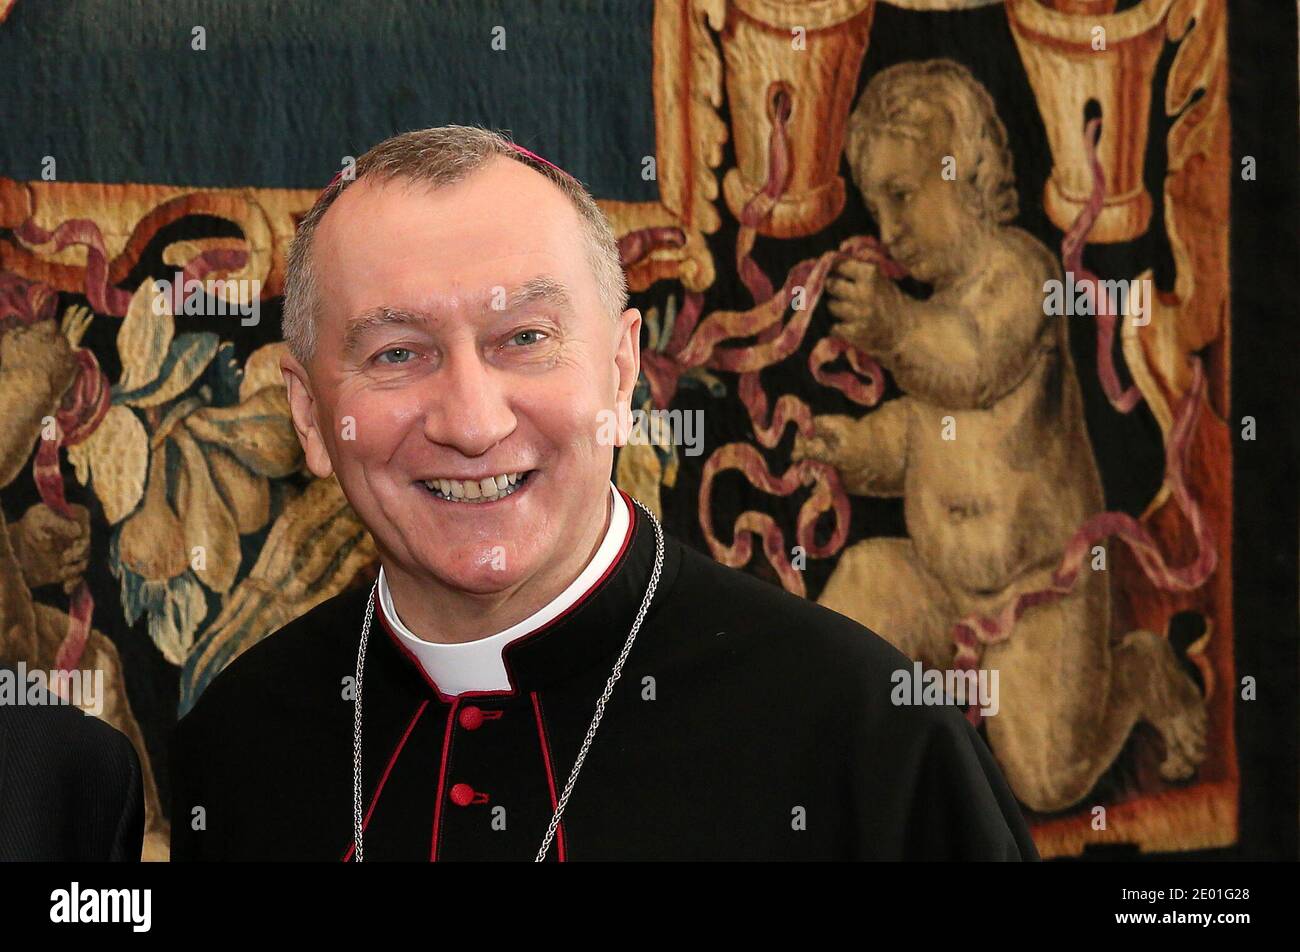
[(987, 447)]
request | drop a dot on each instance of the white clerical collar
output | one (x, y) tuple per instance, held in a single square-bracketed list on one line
[(478, 665)]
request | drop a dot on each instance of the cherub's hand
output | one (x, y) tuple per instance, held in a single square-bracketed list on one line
[(860, 296), (853, 282), (50, 548), (76, 320), (830, 440)]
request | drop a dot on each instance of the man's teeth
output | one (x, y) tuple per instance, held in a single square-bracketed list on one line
[(480, 490)]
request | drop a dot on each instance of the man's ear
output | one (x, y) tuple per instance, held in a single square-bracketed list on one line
[(628, 361), (302, 407)]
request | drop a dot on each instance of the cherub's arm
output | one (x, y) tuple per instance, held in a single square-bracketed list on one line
[(959, 352), (870, 453)]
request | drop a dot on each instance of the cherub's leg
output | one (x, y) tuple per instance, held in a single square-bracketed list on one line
[(880, 583), (1069, 699), (1172, 702), (101, 654)]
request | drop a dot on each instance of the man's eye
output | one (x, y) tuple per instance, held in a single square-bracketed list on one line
[(527, 337), (394, 350)]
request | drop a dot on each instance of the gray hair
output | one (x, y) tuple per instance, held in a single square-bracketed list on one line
[(440, 157)]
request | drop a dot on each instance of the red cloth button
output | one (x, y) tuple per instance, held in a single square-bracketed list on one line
[(471, 717), (462, 794)]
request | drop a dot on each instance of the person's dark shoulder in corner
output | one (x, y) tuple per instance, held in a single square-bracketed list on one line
[(923, 782), (70, 787)]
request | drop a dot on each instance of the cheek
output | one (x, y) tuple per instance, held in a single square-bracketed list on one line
[(932, 215), (566, 408), (370, 424)]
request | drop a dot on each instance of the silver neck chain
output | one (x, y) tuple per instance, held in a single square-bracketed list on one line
[(591, 731)]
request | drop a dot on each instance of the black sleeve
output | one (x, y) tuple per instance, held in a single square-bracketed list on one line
[(128, 837), (109, 785), (962, 807), (923, 783), (71, 787)]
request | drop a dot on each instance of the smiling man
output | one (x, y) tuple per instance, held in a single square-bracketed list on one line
[(548, 674)]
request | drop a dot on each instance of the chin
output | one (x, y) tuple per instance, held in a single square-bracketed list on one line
[(484, 571)]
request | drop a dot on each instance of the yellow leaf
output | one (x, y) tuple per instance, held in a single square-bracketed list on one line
[(116, 456), (262, 369), (206, 520), (152, 544), (258, 432), (143, 338), (247, 495)]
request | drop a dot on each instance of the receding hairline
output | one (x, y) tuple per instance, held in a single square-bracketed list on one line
[(519, 293), (398, 179), (441, 158)]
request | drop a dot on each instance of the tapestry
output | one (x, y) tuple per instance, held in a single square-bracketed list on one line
[(941, 330)]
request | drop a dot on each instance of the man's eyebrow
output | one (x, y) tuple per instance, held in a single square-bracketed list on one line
[(381, 316), (544, 289)]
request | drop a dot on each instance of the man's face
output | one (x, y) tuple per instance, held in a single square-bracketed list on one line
[(462, 345), (921, 214)]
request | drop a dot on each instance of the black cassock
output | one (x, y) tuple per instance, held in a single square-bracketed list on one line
[(748, 724)]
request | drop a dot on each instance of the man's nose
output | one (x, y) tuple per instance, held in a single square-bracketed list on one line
[(470, 408)]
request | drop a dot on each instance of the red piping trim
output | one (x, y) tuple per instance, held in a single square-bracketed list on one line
[(442, 780), (550, 774), (384, 779), (505, 656)]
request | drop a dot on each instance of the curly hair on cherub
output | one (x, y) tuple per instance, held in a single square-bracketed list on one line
[(905, 100)]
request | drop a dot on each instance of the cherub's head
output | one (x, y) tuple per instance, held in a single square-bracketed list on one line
[(930, 156)]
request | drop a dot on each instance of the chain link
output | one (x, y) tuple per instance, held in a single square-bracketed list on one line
[(591, 731), (356, 723)]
